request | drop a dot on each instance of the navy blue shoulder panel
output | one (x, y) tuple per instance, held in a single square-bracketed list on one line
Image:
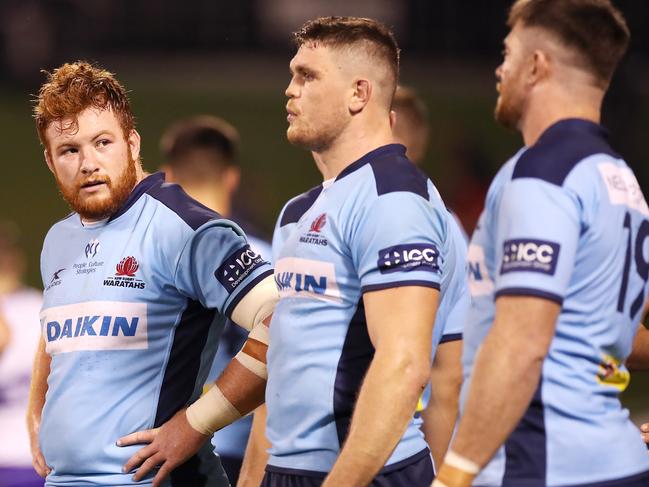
[(189, 210), (173, 197), (560, 148), (395, 173), (299, 206), (392, 171)]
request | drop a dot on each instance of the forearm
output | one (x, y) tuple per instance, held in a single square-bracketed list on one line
[(439, 420), (441, 412), (639, 358), (239, 389), (503, 383), (38, 387), (256, 457), (386, 402)]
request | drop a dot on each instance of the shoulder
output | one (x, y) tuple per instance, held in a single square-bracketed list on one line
[(392, 172), (560, 149), (190, 211), (298, 206)]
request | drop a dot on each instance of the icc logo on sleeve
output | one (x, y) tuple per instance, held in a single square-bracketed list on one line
[(237, 267), (418, 256), (530, 255)]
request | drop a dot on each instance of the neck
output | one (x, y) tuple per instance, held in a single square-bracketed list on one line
[(210, 196), (350, 146), (544, 111)]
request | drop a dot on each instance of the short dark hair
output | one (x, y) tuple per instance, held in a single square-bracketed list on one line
[(377, 39), (595, 29), (200, 144)]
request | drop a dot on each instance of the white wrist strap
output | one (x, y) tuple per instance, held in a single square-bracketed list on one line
[(211, 412), (457, 461)]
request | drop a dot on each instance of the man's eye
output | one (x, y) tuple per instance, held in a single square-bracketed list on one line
[(69, 150), (103, 142)]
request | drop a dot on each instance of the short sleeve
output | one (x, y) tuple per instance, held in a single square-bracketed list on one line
[(218, 268), (536, 239), (398, 242)]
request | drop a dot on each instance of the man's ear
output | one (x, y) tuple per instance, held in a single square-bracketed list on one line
[(540, 67), (48, 160), (134, 144), (361, 95), (231, 178), (393, 119)]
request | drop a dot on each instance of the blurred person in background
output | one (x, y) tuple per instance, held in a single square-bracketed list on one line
[(558, 270), (201, 155), (410, 126), (19, 309)]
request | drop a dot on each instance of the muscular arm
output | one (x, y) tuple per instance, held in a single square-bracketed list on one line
[(442, 409), (399, 324), (38, 389), (256, 457), (505, 375)]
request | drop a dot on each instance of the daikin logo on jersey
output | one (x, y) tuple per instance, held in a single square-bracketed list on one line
[(417, 256), (95, 325), (530, 255), (306, 278)]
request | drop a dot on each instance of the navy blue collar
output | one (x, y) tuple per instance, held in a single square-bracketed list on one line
[(384, 150), (574, 125), (155, 179)]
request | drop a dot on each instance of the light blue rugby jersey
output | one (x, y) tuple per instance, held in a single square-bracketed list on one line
[(381, 224), (566, 220), (133, 309)]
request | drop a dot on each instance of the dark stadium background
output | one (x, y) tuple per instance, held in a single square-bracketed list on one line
[(230, 58)]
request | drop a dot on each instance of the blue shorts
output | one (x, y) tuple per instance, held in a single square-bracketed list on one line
[(416, 471)]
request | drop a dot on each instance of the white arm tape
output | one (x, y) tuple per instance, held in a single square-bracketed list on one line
[(257, 367), (211, 412), (257, 305), (457, 461)]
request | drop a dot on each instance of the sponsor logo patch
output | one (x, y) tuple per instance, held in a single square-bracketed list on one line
[(409, 257), (237, 267), (92, 248), (313, 236), (306, 278), (125, 272), (95, 325), (56, 279), (610, 374), (530, 255), (622, 187)]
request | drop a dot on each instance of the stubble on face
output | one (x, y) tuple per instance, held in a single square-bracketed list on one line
[(94, 207), (510, 84), (321, 115)]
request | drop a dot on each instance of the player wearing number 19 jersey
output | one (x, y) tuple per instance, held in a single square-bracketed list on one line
[(586, 249), (559, 267)]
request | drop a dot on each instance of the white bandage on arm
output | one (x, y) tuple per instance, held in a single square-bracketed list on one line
[(211, 412), (251, 357), (257, 304), (214, 411)]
